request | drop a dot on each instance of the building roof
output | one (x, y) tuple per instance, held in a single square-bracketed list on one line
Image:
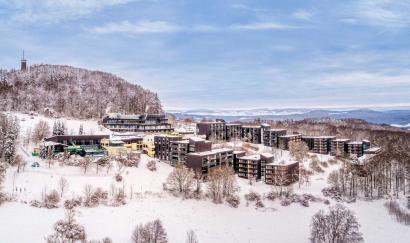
[(277, 129), (283, 162), (267, 155), (132, 117), (213, 151), (233, 124), (77, 137), (289, 136), (342, 140), (251, 126), (355, 142), (251, 157), (197, 139), (319, 137)]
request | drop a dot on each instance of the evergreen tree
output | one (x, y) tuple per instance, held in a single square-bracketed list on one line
[(10, 142)]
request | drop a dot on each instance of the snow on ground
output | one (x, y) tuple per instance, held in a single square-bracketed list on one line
[(212, 223)]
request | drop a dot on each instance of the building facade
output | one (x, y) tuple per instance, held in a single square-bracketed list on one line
[(281, 174), (271, 137), (253, 166), (203, 162), (148, 123)]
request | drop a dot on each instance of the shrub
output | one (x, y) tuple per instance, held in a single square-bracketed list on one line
[(152, 165), (233, 200), (271, 196), (52, 199), (259, 204), (253, 196), (118, 178), (72, 203), (400, 215)]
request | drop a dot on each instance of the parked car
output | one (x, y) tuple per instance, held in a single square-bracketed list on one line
[(35, 164)]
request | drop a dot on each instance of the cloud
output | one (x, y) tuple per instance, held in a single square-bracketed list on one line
[(261, 26), (137, 27), (302, 14), (53, 11), (384, 13)]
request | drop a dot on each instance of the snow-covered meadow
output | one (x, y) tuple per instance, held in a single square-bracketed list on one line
[(213, 223)]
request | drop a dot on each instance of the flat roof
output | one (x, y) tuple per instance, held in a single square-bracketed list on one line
[(282, 162), (355, 142), (268, 155), (342, 140), (290, 135), (251, 157), (319, 137), (213, 151)]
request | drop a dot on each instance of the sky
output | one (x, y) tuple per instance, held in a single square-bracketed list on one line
[(225, 54)]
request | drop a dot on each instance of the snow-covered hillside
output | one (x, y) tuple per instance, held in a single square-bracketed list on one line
[(146, 200)]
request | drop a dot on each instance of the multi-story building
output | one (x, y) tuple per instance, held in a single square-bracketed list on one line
[(253, 166), (318, 144), (252, 134), (270, 136), (233, 131), (281, 174), (179, 151), (203, 162), (77, 139), (236, 156), (162, 145), (355, 148), (148, 123), (214, 131), (284, 140), (339, 146)]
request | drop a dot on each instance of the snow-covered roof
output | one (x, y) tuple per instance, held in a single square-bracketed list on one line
[(197, 139), (51, 143), (277, 129), (251, 126), (213, 151), (251, 157), (289, 136), (355, 142), (283, 162), (233, 124), (267, 155), (342, 140)]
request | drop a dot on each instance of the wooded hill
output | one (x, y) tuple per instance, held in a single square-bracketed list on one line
[(73, 92)]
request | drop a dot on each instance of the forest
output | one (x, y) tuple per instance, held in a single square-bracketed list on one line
[(58, 90)]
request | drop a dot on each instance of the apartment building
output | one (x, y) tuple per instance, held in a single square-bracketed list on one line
[(162, 146), (213, 131), (253, 166), (339, 146), (252, 134), (271, 136), (203, 162), (148, 123), (284, 140), (236, 156), (355, 148), (233, 131), (318, 144), (281, 173)]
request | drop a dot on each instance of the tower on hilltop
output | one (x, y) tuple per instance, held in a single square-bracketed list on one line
[(23, 66)]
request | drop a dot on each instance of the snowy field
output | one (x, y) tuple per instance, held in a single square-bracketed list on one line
[(213, 223)]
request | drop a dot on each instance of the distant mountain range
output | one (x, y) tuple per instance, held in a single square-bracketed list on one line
[(398, 118)]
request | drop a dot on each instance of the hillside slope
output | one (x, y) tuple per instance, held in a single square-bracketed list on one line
[(73, 92)]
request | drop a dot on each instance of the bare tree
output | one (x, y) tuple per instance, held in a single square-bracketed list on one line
[(299, 151), (151, 232), (338, 226), (191, 237), (181, 179), (62, 185), (85, 163), (41, 131), (67, 230)]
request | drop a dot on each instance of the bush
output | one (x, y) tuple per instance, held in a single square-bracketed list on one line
[(152, 165), (253, 196), (324, 164), (314, 165), (72, 203), (285, 202), (233, 200), (259, 204), (271, 196), (52, 199), (118, 178)]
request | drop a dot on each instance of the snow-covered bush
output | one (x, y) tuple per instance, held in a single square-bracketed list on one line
[(271, 195), (259, 204), (233, 200), (285, 202), (72, 203), (52, 199), (67, 230), (314, 165), (152, 165), (252, 196)]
